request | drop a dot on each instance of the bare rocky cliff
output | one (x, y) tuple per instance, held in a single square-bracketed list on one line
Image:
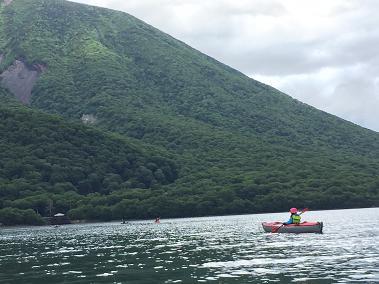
[(19, 79)]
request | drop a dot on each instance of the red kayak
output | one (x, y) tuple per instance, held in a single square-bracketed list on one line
[(305, 227)]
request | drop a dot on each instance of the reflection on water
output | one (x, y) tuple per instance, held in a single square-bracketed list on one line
[(230, 249)]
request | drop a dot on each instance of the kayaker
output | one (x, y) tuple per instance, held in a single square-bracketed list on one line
[(295, 217), (157, 220)]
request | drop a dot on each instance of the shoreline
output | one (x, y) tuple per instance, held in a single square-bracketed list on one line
[(84, 222)]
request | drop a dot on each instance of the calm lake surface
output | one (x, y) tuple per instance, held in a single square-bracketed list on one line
[(230, 249)]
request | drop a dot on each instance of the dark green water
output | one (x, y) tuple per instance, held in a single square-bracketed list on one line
[(198, 250)]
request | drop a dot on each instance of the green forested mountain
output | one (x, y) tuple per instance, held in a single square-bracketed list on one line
[(238, 145), (49, 165)]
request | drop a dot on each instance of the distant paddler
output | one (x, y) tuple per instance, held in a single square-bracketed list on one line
[(157, 220)]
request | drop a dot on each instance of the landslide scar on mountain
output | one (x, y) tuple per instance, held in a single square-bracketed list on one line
[(19, 79)]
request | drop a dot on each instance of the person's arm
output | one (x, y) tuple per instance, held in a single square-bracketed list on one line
[(288, 222)]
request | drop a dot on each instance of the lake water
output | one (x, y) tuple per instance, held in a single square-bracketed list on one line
[(231, 249)]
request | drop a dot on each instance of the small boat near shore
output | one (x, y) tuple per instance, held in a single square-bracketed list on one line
[(305, 227)]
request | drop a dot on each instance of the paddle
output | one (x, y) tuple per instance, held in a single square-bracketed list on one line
[(304, 210), (275, 230)]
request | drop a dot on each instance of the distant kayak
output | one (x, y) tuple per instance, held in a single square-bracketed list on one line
[(305, 227)]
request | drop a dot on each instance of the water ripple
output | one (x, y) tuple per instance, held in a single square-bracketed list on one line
[(199, 250)]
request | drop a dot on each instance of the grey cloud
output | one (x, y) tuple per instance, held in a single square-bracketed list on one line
[(357, 100), (351, 93), (356, 109), (298, 57), (250, 8)]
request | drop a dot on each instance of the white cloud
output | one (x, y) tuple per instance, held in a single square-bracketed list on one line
[(322, 52)]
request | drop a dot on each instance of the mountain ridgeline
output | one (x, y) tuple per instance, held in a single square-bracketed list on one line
[(206, 138)]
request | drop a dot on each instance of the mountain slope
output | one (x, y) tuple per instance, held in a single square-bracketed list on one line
[(242, 145)]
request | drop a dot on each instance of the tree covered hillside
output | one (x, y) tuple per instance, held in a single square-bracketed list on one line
[(49, 165), (240, 146)]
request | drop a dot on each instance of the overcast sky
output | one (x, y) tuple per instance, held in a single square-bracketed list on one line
[(324, 53)]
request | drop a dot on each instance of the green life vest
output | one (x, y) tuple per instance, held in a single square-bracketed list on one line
[(296, 219)]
